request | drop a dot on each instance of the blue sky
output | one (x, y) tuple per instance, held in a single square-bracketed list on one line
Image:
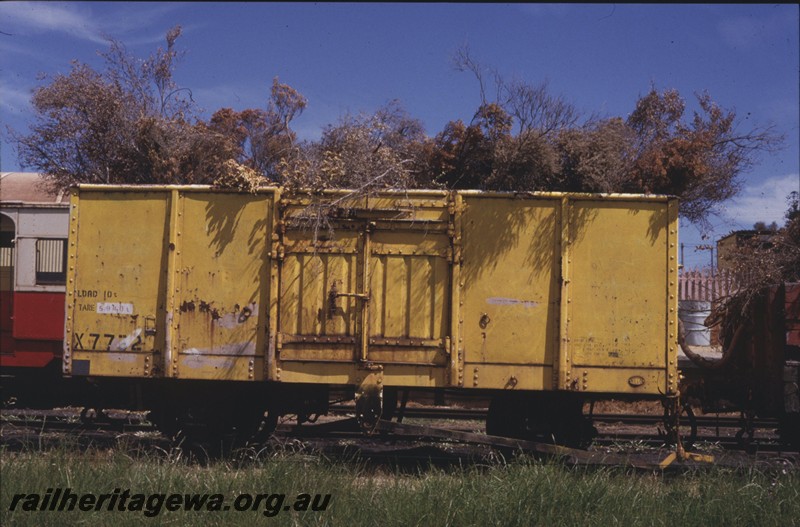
[(356, 57)]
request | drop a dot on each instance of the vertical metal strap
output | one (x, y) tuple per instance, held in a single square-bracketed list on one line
[(456, 344), (364, 295), (672, 298), (72, 274), (563, 365), (275, 249), (173, 251)]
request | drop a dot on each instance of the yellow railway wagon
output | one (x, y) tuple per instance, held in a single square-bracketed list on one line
[(510, 293)]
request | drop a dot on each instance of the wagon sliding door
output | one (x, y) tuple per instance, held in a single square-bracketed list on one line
[(373, 289)]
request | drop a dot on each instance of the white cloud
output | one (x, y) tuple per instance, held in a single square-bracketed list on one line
[(44, 16), (82, 21), (765, 201)]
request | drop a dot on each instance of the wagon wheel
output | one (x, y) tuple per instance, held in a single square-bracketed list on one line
[(214, 430), (545, 418)]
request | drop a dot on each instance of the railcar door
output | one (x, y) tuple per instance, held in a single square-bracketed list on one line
[(369, 284), (319, 257), (407, 255)]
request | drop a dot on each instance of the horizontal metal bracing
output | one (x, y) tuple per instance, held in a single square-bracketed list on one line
[(314, 339)]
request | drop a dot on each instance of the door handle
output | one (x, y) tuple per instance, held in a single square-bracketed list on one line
[(334, 295)]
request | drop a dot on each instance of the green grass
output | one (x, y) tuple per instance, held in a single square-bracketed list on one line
[(523, 492)]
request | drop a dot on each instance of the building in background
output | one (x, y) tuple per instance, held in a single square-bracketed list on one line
[(729, 245)]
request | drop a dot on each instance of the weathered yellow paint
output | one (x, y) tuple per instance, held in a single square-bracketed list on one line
[(563, 375), (384, 268), (408, 291), (221, 287), (117, 261), (306, 280), (188, 288), (115, 364), (455, 342), (633, 380), (508, 376), (510, 275), (353, 374), (530, 291), (610, 312), (671, 309)]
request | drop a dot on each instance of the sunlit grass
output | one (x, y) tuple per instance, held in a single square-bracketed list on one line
[(522, 492)]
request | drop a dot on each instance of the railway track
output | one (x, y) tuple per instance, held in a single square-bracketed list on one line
[(479, 414), (614, 427), (615, 430), (135, 421)]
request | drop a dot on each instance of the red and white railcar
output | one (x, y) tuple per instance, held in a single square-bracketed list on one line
[(33, 247)]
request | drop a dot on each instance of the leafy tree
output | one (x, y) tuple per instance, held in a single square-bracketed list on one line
[(362, 152), (262, 137), (508, 143), (699, 161), (131, 123), (460, 156), (596, 157), (761, 226), (759, 265), (528, 139), (106, 127)]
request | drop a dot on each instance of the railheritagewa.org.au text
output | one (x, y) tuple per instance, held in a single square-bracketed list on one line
[(152, 504)]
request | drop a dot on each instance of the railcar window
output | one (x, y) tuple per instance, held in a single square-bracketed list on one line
[(6, 249), (6, 259), (51, 261)]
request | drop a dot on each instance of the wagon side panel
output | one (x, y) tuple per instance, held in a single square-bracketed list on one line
[(620, 296), (510, 291), (118, 247), (221, 274)]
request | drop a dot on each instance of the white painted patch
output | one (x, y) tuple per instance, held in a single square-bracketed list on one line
[(122, 344), (238, 349), (500, 301), (232, 320), (114, 308)]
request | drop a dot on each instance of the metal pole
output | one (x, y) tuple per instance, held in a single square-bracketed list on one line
[(712, 262)]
